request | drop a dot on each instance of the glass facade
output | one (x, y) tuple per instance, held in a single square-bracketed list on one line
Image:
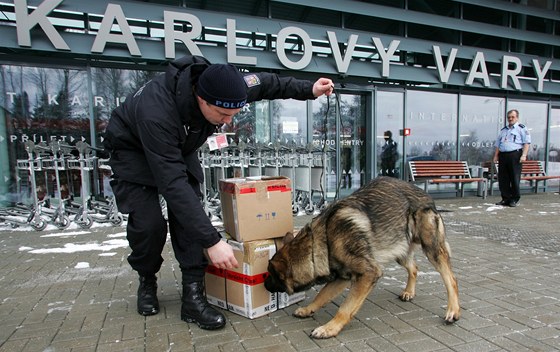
[(328, 135)]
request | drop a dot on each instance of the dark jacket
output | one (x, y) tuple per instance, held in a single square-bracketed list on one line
[(154, 136)]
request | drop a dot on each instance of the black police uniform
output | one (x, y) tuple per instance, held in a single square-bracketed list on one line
[(153, 138)]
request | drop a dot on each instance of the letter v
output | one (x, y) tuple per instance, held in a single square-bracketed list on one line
[(444, 71), (342, 63)]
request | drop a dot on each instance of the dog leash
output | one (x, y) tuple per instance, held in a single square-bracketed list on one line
[(325, 136), (339, 118)]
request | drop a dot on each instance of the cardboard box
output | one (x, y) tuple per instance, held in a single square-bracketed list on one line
[(256, 208), (242, 290)]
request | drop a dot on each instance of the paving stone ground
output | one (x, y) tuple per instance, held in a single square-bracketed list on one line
[(73, 290)]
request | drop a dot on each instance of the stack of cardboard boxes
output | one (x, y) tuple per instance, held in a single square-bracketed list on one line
[(257, 213)]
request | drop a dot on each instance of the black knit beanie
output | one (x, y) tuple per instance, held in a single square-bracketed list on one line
[(222, 85)]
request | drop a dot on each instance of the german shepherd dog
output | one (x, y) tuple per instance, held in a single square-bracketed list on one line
[(348, 243)]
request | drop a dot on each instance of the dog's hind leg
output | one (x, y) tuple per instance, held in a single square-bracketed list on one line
[(359, 290), (436, 248), (440, 260), (325, 295), (410, 265)]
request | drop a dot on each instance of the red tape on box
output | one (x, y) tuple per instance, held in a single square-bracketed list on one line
[(251, 280), (230, 188), (281, 188)]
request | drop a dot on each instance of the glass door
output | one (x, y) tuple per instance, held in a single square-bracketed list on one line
[(388, 141), (553, 160), (339, 128)]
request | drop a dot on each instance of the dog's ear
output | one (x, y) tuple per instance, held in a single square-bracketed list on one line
[(288, 238)]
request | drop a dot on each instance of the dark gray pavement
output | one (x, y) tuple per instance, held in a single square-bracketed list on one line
[(73, 290)]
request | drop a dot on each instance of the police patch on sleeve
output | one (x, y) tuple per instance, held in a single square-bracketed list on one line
[(252, 80)]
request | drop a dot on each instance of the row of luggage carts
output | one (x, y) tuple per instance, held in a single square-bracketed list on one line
[(58, 182), (306, 166)]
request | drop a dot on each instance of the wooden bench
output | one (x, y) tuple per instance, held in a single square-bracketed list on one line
[(440, 172), (531, 170)]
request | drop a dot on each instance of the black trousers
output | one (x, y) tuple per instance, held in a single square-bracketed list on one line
[(388, 168), (146, 233), (509, 175)]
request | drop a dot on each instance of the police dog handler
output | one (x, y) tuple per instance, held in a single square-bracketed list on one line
[(153, 138), (512, 146)]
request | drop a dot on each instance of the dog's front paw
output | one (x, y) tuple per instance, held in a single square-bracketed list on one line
[(324, 332), (452, 316), (406, 296), (303, 312)]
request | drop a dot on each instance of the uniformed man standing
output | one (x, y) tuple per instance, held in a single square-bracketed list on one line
[(153, 138), (512, 146)]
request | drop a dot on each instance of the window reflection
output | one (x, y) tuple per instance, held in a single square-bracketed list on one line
[(289, 121), (110, 87), (553, 165), (390, 113), (481, 119), (533, 115), (250, 125), (432, 118), (38, 104)]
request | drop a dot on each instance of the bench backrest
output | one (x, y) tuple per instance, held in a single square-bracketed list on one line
[(532, 167), (434, 169), (528, 168)]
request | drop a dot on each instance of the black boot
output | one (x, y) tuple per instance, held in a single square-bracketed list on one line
[(196, 309), (148, 303)]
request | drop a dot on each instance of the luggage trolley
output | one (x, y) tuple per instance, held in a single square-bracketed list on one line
[(288, 169), (205, 165), (273, 161), (210, 196), (32, 215), (59, 218), (309, 179), (85, 165), (241, 161), (108, 209), (255, 164)]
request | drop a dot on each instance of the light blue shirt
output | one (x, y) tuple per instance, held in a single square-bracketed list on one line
[(510, 139)]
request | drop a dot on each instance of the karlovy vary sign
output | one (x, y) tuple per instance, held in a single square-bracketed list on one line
[(28, 20)]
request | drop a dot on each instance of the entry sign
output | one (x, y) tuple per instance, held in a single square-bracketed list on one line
[(405, 132)]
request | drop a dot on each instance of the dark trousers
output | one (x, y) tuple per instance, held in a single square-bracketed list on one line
[(509, 175), (146, 232)]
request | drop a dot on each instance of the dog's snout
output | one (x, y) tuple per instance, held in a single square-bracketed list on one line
[(267, 284), (273, 285)]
